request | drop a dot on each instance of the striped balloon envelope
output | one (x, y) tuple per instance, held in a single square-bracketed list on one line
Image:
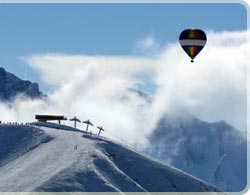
[(192, 41)]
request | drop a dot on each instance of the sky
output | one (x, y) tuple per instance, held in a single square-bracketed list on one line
[(102, 29), (85, 57)]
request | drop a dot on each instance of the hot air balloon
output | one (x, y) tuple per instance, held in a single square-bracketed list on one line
[(192, 41)]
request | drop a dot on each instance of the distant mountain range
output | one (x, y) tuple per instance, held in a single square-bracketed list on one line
[(11, 86)]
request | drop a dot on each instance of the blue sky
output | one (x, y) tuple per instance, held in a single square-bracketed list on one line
[(92, 52), (101, 29)]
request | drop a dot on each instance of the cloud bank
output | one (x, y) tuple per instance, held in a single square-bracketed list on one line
[(212, 88)]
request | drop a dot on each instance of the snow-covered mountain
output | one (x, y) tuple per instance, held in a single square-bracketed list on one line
[(214, 152), (11, 86), (47, 158)]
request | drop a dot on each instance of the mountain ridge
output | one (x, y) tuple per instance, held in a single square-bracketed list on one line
[(98, 164), (175, 139), (214, 152), (11, 86)]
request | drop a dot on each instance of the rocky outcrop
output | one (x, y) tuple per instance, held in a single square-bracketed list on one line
[(11, 86)]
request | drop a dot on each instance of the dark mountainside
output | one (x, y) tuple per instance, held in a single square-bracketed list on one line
[(11, 86)]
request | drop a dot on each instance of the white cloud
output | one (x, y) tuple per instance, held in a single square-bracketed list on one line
[(148, 45), (91, 87), (58, 68), (214, 86)]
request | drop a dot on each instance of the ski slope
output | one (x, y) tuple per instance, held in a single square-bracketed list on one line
[(53, 158)]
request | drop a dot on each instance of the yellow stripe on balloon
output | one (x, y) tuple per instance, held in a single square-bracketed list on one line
[(191, 34), (191, 49)]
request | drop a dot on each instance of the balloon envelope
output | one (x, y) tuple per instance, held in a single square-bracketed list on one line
[(192, 41)]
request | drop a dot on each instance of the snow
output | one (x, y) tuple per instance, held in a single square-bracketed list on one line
[(45, 158), (213, 152)]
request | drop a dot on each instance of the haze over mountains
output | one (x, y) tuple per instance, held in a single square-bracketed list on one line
[(213, 152)]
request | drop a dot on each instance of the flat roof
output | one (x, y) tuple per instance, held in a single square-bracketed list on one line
[(50, 117)]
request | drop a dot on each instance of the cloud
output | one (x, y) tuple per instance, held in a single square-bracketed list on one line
[(58, 68), (212, 88), (148, 45)]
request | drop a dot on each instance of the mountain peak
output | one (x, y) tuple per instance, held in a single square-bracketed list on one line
[(11, 86), (214, 152)]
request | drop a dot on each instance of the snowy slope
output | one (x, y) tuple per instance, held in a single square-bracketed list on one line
[(46, 159), (214, 152)]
